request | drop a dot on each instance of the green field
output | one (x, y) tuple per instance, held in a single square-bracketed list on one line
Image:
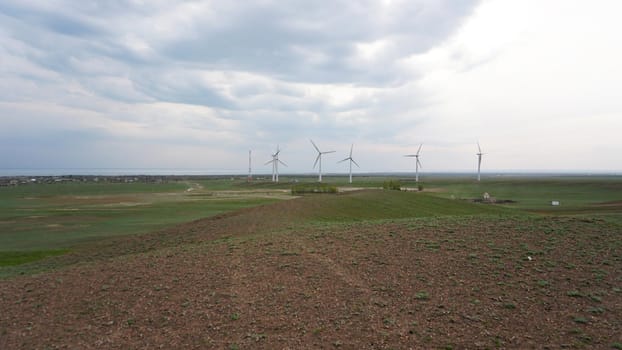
[(39, 220), (574, 193), (42, 217)]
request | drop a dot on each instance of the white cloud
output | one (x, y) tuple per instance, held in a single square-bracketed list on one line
[(209, 80)]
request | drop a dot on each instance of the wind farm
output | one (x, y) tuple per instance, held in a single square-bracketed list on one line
[(275, 161)]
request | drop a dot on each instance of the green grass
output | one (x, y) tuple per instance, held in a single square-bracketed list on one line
[(50, 216), (88, 188), (57, 216), (60, 229), (18, 258), (574, 193), (375, 205)]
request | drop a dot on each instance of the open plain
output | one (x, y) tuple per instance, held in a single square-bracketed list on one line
[(228, 265)]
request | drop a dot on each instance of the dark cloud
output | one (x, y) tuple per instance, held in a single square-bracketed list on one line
[(268, 67), (317, 42), (294, 41)]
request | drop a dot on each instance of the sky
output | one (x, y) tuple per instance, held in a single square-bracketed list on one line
[(197, 84)]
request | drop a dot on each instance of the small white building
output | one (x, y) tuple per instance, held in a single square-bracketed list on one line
[(555, 203)]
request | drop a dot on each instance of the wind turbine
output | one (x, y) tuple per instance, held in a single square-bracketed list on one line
[(351, 161), (319, 158), (417, 162), (250, 174), (275, 164), (479, 161)]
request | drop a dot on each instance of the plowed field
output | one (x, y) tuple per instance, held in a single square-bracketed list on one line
[(299, 275)]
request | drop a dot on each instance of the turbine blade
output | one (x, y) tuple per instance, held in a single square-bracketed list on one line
[(316, 160), (351, 147), (343, 160), (327, 152), (268, 162), (478, 147), (282, 162), (418, 162), (314, 145), (410, 155), (353, 161), (419, 150)]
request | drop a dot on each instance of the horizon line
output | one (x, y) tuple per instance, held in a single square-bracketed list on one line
[(39, 172)]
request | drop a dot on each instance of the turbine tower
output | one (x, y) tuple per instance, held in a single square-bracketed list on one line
[(319, 158), (479, 161), (250, 174), (273, 169), (417, 162), (351, 161), (275, 164)]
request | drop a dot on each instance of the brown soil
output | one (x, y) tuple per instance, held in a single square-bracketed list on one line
[(612, 205), (255, 279)]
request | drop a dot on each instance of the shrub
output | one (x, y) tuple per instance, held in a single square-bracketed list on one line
[(392, 185), (313, 188), (422, 296)]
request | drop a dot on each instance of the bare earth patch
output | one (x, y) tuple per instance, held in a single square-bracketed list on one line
[(247, 280)]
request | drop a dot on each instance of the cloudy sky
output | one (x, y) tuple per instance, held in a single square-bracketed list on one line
[(196, 84)]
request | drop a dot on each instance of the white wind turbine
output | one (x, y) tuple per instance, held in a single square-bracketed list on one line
[(275, 164), (351, 161), (319, 158), (250, 174), (417, 162), (479, 161)]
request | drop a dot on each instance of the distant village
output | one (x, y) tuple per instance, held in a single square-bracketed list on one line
[(6, 181)]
